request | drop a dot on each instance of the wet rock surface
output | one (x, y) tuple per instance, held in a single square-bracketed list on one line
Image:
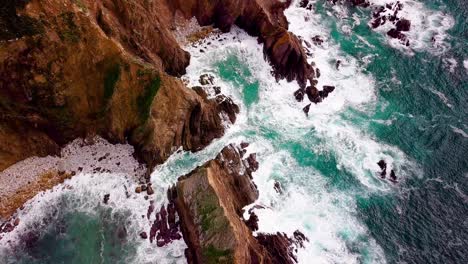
[(209, 202), (385, 14)]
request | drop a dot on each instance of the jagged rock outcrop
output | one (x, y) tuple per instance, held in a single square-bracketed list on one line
[(209, 202), (261, 18), (83, 68), (73, 69)]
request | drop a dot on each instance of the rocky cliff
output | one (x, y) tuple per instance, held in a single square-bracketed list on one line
[(81, 68), (77, 68), (210, 202)]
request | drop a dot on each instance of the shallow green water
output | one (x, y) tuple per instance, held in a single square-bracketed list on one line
[(426, 221)]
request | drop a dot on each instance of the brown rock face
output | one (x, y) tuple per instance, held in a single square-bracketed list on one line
[(107, 67), (46, 181), (209, 202), (261, 18), (97, 67)]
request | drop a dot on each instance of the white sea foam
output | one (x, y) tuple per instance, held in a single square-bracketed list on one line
[(310, 203), (85, 191), (459, 131), (325, 215), (428, 27), (450, 63)]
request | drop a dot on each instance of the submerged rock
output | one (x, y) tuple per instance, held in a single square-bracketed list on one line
[(106, 198), (382, 164), (403, 25), (306, 109), (393, 176), (317, 40), (278, 188), (206, 79), (299, 95)]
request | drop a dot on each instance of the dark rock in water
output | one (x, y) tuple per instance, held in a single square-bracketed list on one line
[(338, 64), (252, 161), (252, 222), (165, 229), (226, 105), (382, 164), (327, 89), (306, 109), (362, 3), (144, 187), (277, 186), (150, 210), (303, 3), (217, 90), (299, 95), (299, 238), (399, 6), (244, 145), (206, 79), (394, 33), (376, 22), (279, 246), (313, 94), (6, 228), (317, 40), (393, 177), (106, 198), (383, 174), (403, 25), (138, 189), (288, 57), (317, 73), (150, 190), (379, 10), (171, 215), (144, 235)]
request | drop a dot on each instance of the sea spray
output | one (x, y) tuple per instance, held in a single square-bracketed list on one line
[(113, 227), (291, 146)]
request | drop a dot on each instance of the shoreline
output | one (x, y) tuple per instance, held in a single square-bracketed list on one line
[(28, 178)]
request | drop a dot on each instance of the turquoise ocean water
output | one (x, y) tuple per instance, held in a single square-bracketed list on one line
[(409, 107)]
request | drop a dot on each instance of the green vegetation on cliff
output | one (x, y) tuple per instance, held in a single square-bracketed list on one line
[(71, 32), (146, 100), (212, 255), (110, 81)]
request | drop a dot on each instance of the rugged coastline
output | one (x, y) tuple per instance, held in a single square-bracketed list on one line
[(110, 69)]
